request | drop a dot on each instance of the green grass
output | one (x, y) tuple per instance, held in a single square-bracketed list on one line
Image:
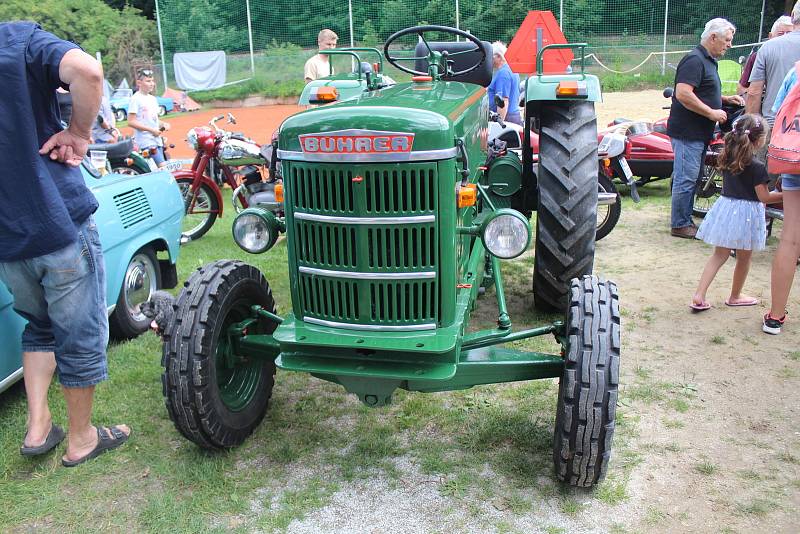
[(705, 468)]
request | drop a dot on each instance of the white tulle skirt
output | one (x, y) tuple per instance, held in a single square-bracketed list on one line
[(735, 223)]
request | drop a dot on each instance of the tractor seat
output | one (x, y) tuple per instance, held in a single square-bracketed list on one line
[(119, 150), (481, 76)]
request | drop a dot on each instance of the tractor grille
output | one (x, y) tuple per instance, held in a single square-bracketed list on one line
[(365, 241), (133, 207)]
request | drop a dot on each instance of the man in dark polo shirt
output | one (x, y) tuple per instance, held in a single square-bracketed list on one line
[(696, 108), (50, 255)]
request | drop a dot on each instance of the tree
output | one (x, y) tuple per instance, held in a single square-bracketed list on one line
[(118, 35)]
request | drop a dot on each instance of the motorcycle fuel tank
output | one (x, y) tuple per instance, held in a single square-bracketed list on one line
[(236, 152)]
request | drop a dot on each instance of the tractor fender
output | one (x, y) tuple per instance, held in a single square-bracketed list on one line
[(189, 175), (543, 88)]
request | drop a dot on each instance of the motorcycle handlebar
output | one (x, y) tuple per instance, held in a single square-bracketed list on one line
[(213, 122)]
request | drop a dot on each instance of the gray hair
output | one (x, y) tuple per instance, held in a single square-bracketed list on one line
[(718, 26), (783, 20), (499, 48), (796, 13)]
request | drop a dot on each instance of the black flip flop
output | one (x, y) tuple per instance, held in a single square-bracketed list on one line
[(54, 437), (106, 440)]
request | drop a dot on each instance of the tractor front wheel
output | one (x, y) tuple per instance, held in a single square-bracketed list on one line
[(215, 396), (587, 392), (566, 217)]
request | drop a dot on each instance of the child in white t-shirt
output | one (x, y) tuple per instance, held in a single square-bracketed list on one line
[(143, 117)]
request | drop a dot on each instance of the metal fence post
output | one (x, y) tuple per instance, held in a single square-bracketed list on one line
[(761, 23), (250, 38), (161, 46), (350, 15), (664, 47), (561, 15)]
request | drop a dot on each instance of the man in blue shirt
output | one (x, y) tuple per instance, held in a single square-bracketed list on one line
[(505, 84), (50, 255)]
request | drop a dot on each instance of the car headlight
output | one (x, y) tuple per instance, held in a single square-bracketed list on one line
[(506, 234), (256, 230), (191, 138)]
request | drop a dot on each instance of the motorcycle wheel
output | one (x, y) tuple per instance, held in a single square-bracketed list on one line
[(203, 214), (128, 171), (607, 216), (709, 187)]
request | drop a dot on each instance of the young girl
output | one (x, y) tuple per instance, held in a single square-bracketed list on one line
[(736, 220)]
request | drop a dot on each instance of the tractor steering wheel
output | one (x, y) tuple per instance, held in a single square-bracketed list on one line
[(434, 57)]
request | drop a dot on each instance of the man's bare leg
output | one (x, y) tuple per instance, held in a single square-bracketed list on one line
[(82, 436), (37, 370)]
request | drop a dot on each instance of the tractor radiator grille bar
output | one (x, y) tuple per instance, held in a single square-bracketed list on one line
[(365, 243)]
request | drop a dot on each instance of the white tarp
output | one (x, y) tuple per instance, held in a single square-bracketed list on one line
[(200, 70)]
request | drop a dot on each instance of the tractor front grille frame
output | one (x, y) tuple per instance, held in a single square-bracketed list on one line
[(365, 243)]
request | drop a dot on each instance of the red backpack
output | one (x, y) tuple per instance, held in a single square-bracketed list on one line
[(783, 155)]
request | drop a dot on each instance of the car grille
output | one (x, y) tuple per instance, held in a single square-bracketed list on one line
[(133, 207), (365, 243)]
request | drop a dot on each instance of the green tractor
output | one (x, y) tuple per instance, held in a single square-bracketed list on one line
[(396, 214)]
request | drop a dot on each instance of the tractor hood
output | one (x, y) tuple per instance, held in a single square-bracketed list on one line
[(403, 122)]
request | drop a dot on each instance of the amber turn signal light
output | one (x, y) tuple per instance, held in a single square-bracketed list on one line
[(467, 196), (279, 192), (571, 88), (323, 95)]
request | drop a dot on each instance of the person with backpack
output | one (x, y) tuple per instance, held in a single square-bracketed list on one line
[(784, 158)]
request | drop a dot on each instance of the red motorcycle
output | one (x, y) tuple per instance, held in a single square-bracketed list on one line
[(649, 153), (224, 158)]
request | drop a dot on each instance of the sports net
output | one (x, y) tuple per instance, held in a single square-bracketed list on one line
[(628, 40)]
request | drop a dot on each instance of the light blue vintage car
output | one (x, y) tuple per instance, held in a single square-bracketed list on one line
[(139, 218), (122, 97)]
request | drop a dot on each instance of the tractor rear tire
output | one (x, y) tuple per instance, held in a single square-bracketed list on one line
[(211, 402), (567, 209), (587, 392)]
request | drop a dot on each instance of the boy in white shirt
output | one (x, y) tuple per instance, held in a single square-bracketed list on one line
[(319, 65), (143, 117)]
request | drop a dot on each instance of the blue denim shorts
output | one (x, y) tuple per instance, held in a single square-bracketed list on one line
[(790, 182), (157, 153), (63, 297)]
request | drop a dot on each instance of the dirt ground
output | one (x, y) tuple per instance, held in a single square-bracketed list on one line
[(711, 441)]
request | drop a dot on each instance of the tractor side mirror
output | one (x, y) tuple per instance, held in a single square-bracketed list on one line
[(668, 92), (231, 118), (499, 102)]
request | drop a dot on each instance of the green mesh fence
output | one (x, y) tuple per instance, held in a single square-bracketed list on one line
[(627, 39)]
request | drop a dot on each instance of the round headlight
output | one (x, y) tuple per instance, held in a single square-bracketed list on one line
[(191, 138), (506, 234), (255, 230)]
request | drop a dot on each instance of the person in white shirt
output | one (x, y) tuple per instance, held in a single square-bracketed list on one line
[(143, 117), (319, 65)]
